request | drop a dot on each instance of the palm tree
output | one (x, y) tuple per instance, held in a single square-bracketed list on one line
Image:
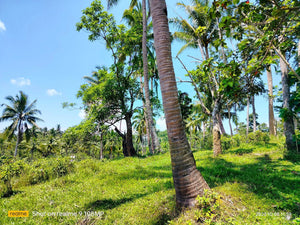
[(132, 15), (139, 124), (188, 181), (20, 112), (198, 33)]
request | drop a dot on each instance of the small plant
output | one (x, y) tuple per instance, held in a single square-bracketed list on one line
[(209, 207), (7, 171)]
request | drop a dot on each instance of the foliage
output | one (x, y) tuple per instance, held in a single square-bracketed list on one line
[(20, 172), (231, 141), (258, 137), (209, 207), (8, 170), (21, 113)]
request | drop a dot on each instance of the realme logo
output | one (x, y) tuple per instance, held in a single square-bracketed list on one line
[(18, 213)]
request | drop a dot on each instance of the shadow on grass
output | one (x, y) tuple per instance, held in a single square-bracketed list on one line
[(12, 193), (106, 204), (266, 178), (242, 151), (144, 173)]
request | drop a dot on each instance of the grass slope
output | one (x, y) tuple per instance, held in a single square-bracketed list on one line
[(255, 184)]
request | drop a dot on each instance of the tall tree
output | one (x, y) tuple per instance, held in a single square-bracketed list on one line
[(20, 112), (149, 113), (286, 113), (113, 99), (133, 16), (188, 181), (272, 128)]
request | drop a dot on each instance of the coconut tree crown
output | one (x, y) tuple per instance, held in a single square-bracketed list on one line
[(21, 113)]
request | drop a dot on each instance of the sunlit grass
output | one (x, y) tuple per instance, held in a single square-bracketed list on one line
[(256, 186)]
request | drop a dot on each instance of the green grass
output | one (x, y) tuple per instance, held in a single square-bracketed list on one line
[(256, 186)]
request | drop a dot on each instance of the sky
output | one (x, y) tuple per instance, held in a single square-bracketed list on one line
[(42, 54)]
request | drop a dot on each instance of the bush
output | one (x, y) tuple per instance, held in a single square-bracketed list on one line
[(9, 170), (208, 142), (44, 169), (258, 137), (230, 141), (62, 167)]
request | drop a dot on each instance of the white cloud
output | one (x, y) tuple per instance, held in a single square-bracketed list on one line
[(161, 124), (52, 92), (2, 26), (82, 114), (21, 81)]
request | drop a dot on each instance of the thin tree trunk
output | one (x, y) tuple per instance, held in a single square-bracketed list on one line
[(288, 123), (272, 129), (217, 147), (154, 139), (110, 154), (247, 127), (19, 138), (222, 129), (253, 113), (229, 121), (101, 146), (146, 121), (203, 130), (188, 181)]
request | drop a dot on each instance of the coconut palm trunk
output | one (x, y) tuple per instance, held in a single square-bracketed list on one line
[(154, 139), (146, 119), (188, 181), (272, 129), (19, 138), (253, 113), (288, 123)]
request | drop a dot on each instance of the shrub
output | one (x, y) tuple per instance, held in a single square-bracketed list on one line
[(258, 137), (208, 142), (230, 141), (44, 169), (9, 170), (63, 166)]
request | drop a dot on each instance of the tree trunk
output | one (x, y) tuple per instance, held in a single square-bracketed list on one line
[(188, 181), (247, 127), (154, 139), (146, 120), (217, 147), (288, 123), (129, 143), (229, 120), (19, 138), (101, 146), (272, 129), (222, 129), (299, 53), (253, 113)]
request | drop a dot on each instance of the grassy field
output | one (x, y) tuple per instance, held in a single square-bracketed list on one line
[(255, 186)]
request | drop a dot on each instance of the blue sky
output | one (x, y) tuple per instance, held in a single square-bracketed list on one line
[(42, 54)]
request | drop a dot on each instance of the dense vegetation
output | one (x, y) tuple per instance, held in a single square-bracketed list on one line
[(250, 176)]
